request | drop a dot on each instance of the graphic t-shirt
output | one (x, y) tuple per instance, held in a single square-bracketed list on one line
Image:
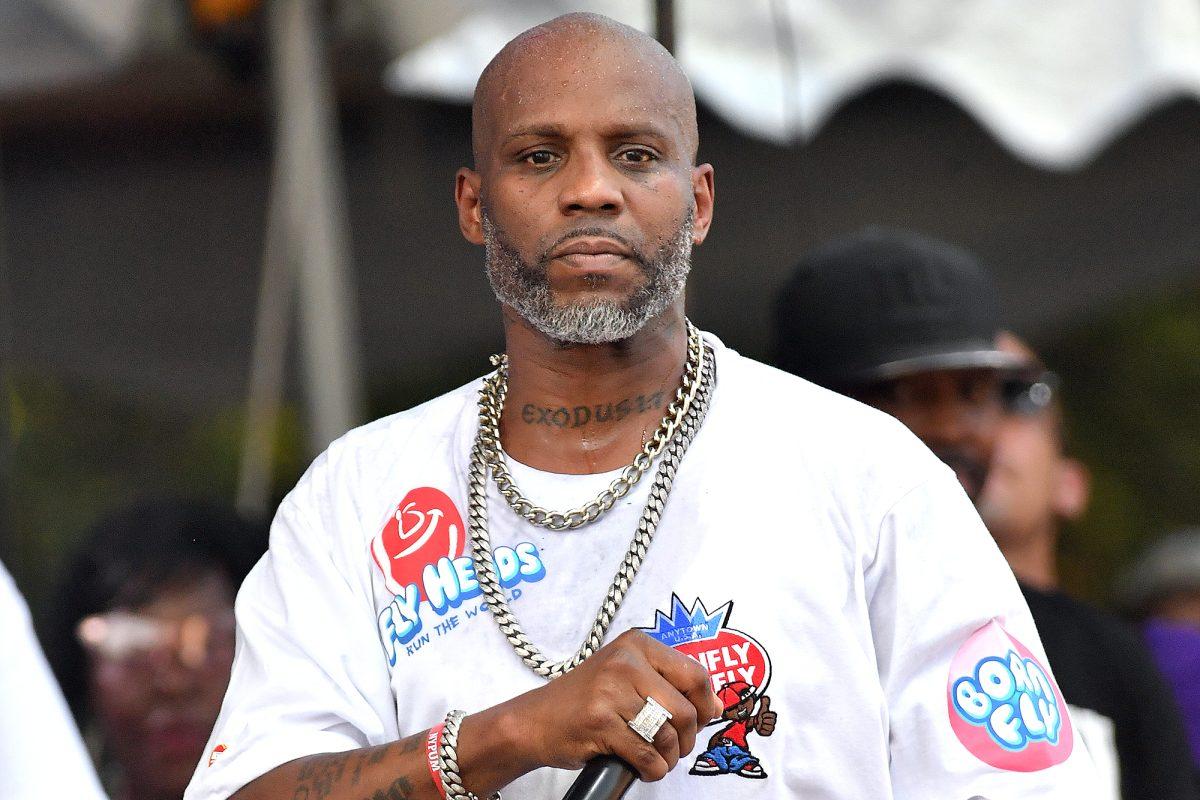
[(812, 556)]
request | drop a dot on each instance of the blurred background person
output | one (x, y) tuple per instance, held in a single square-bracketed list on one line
[(41, 754), (144, 635), (1033, 486), (1162, 590), (909, 324), (1032, 489)]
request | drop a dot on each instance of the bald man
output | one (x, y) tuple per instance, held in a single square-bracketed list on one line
[(627, 539)]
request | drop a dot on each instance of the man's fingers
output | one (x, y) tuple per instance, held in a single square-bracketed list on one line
[(715, 707), (643, 756), (626, 672), (765, 705), (683, 713), (687, 676), (666, 742)]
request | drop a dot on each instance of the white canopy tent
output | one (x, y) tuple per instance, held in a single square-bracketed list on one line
[(1053, 81), (46, 43)]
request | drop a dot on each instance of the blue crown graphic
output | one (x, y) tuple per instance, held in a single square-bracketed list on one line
[(688, 625)]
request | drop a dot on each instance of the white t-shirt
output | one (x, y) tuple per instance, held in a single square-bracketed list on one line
[(41, 754), (812, 551)]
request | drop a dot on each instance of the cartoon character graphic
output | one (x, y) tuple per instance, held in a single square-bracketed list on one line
[(740, 670), (729, 748)]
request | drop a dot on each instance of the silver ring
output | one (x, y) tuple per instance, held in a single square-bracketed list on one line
[(650, 719)]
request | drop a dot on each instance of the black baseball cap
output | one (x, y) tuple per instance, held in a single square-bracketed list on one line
[(883, 303)]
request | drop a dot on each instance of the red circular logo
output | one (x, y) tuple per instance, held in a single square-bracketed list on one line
[(424, 528), (731, 657)]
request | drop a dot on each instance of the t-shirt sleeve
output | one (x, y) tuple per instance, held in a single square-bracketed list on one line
[(41, 753), (972, 706), (309, 675)]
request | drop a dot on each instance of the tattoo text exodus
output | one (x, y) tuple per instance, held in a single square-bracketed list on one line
[(579, 416)]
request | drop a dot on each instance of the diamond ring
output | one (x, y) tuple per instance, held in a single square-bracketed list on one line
[(650, 719)]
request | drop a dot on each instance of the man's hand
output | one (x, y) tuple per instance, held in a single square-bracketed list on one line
[(585, 713)]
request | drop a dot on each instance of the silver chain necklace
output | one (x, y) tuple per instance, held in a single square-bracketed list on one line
[(489, 419), (685, 414)]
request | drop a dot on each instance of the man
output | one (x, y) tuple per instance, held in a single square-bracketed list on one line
[(807, 555), (1033, 485), (1123, 707), (909, 325)]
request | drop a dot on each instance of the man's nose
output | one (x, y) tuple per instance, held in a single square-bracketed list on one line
[(590, 185), (954, 420), (174, 678)]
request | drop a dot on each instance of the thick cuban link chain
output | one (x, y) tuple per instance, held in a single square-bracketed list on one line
[(491, 404), (481, 549), (447, 760)]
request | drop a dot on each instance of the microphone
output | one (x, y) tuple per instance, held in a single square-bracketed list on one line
[(602, 778)]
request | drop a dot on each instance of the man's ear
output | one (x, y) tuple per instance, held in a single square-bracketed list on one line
[(702, 196), (470, 207), (1072, 489)]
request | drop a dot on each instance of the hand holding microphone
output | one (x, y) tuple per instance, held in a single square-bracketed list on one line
[(586, 714)]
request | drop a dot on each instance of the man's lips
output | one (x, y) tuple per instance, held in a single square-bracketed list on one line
[(590, 262), (590, 253)]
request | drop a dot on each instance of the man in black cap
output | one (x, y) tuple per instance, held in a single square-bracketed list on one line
[(909, 324)]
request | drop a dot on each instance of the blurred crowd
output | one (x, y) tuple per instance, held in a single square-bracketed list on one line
[(141, 641), (142, 635)]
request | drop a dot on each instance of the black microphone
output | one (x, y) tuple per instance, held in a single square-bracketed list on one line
[(602, 778)]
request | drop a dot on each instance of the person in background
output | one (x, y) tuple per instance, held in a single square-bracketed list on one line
[(1033, 485), (1162, 589), (41, 754), (144, 637), (910, 325)]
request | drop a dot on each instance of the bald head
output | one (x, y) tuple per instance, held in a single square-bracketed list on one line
[(582, 52)]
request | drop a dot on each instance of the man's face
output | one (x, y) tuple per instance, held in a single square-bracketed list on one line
[(585, 197), (956, 413), (603, 311), (1020, 494), (158, 696)]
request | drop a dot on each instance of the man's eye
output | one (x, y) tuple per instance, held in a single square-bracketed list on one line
[(539, 158), (636, 155), (976, 389)]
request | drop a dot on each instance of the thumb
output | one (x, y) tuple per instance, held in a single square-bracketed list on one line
[(764, 705)]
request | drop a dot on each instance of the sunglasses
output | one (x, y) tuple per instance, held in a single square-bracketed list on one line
[(1030, 395), (128, 638)]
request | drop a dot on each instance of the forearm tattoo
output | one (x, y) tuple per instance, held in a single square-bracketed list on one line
[(319, 777)]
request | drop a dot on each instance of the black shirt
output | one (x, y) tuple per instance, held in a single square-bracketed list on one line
[(1101, 664)]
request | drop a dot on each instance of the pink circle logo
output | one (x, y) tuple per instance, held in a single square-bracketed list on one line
[(1004, 706)]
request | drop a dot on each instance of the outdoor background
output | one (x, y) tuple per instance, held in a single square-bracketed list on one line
[(136, 172)]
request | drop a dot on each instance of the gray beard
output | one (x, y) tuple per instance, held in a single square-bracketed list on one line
[(526, 289)]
